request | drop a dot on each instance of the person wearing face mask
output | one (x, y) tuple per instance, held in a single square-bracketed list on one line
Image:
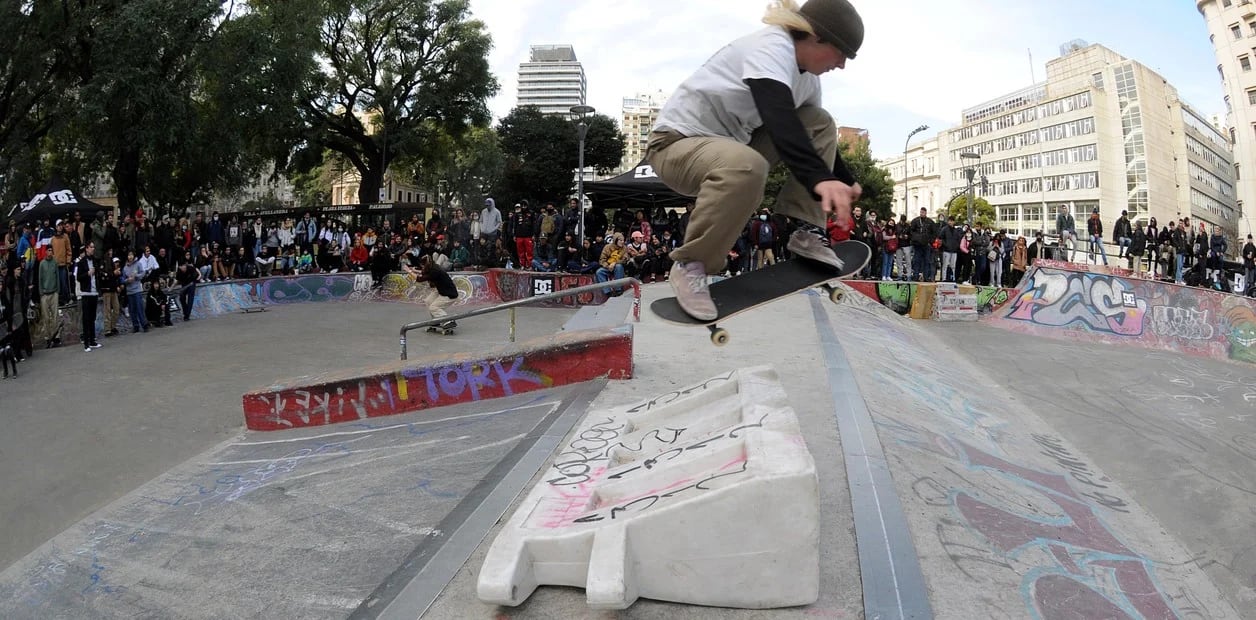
[(755, 102), (763, 238)]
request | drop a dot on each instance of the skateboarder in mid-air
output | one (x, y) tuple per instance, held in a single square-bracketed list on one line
[(442, 290), (756, 102)]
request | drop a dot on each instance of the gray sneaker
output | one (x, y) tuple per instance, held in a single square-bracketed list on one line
[(812, 242), (689, 282)]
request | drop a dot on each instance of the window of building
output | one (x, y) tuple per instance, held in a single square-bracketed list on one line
[(1225, 4), (1251, 97), (1252, 26), (1098, 80), (1236, 31), (1245, 63)]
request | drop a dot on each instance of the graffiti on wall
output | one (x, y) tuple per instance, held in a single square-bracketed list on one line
[(1013, 509), (1148, 313)]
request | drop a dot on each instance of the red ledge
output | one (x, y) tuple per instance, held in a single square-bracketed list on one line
[(441, 380)]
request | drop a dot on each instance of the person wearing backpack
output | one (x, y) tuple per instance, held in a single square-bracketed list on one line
[(889, 246), (763, 233)]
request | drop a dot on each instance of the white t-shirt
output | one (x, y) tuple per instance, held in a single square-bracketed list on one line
[(715, 100)]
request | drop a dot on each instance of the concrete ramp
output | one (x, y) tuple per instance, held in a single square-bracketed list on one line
[(1010, 519), (706, 494), (1058, 301)]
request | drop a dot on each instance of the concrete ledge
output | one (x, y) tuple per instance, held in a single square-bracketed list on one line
[(440, 380), (704, 495)]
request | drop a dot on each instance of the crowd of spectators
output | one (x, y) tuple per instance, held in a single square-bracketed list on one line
[(135, 264)]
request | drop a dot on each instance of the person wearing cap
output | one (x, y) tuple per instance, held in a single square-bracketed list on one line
[(110, 280), (1122, 232), (49, 288), (755, 102), (1249, 266), (612, 262), (1094, 228)]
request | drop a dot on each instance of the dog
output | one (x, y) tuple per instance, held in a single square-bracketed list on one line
[(8, 358)]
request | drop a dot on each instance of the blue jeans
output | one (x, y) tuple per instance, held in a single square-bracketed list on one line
[(922, 263), (604, 275), (135, 306), (1096, 240), (887, 265), (1124, 243), (63, 280), (1181, 259)]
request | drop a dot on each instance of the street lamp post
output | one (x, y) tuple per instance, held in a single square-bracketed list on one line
[(970, 172), (907, 207), (581, 111)]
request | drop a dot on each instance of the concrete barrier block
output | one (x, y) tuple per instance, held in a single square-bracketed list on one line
[(705, 495), (440, 380)]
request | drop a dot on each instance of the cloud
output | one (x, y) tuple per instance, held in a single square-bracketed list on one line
[(922, 60)]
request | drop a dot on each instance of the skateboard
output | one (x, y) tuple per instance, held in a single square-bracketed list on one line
[(748, 291), (444, 329)]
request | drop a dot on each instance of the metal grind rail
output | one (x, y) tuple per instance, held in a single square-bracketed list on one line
[(511, 305)]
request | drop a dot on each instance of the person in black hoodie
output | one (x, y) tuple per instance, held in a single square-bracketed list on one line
[(1138, 245), (442, 293), (523, 226), (89, 292)]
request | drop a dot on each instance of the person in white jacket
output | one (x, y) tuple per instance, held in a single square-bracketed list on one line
[(490, 221)]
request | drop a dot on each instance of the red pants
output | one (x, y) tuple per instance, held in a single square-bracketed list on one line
[(523, 245)]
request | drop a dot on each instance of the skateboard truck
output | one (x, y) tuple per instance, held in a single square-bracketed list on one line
[(720, 336)]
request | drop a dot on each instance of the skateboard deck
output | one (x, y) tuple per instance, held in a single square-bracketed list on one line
[(747, 291), (444, 330)]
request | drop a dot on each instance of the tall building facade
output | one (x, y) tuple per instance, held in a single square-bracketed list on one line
[(1232, 30), (639, 114), (919, 178), (1102, 132), (552, 80)]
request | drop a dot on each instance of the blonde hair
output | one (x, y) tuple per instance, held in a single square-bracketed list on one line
[(784, 13)]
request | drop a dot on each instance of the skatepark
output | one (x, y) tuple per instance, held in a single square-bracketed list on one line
[(1079, 449)]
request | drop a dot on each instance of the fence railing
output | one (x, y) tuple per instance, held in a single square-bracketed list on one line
[(511, 305)]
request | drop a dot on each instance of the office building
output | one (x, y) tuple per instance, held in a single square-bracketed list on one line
[(639, 114), (1102, 132), (1232, 30), (552, 80)]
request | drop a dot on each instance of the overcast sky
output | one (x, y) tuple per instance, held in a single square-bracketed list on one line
[(922, 61)]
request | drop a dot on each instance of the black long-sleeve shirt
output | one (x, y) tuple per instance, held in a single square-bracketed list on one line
[(775, 103)]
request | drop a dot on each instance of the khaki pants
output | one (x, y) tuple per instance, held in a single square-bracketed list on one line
[(436, 304), (109, 305), (47, 315), (765, 258), (728, 177)]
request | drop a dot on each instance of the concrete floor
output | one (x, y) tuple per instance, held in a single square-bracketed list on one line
[(83, 429)]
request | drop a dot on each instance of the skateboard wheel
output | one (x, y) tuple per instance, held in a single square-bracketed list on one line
[(719, 337), (836, 294)]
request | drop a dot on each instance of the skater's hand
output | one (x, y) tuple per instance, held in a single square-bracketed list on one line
[(836, 197)]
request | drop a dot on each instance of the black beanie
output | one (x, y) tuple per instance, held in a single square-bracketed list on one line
[(836, 22)]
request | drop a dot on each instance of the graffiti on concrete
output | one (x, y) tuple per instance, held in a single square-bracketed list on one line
[(1105, 308), (1012, 507), (1096, 302)]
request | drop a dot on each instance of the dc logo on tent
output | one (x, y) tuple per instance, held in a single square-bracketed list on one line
[(644, 171)]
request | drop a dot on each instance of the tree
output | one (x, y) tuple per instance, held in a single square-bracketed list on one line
[(542, 153), (462, 168), (177, 99), (984, 211), (878, 187), (32, 78), (396, 75)]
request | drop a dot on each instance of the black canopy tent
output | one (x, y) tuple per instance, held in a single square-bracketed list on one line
[(55, 202), (639, 187)]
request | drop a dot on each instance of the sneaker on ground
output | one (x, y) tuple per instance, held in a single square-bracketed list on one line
[(96, 345), (689, 282), (812, 242)]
